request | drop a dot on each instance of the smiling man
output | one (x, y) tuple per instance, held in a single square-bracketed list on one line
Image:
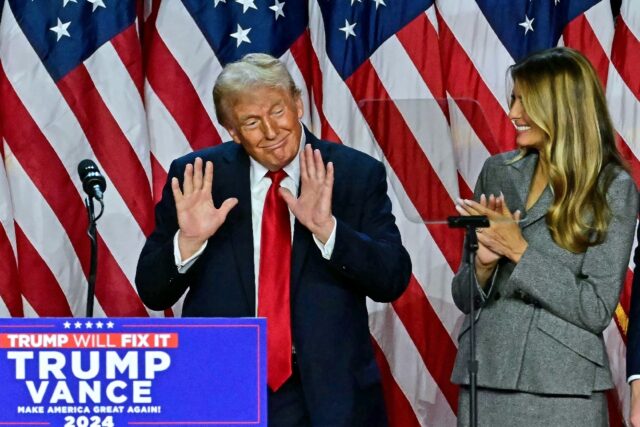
[(282, 225)]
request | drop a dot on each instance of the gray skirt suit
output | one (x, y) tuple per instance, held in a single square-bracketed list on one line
[(539, 323)]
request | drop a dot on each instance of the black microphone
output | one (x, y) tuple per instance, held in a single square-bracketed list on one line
[(93, 182)]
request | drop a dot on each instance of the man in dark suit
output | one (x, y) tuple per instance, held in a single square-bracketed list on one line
[(633, 342), (345, 247)]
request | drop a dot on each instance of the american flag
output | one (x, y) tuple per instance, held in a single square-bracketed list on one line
[(129, 85)]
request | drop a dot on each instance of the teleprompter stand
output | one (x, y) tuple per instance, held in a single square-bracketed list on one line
[(470, 223)]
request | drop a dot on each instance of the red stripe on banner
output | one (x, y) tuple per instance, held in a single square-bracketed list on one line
[(48, 174), (149, 28), (622, 319), (420, 40), (9, 279), (159, 178), (425, 328), (304, 55), (117, 301), (615, 416), (631, 158), (625, 296), (175, 90), (127, 46), (399, 411), (407, 159), (38, 283), (625, 56), (463, 82), (109, 143), (465, 191), (579, 35)]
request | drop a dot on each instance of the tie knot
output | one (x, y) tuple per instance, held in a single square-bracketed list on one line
[(276, 176)]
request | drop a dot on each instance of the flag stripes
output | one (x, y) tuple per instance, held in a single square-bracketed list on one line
[(143, 98)]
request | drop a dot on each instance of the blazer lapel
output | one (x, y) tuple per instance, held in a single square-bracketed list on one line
[(520, 177), (237, 184)]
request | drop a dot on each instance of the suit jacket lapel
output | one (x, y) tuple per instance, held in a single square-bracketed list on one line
[(520, 178), (237, 184), (301, 235)]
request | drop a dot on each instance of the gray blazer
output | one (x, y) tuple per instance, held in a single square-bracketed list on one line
[(539, 325)]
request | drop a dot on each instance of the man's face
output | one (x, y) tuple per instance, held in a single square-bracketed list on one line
[(265, 121)]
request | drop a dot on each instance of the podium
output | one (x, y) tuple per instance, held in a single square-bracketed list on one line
[(133, 371)]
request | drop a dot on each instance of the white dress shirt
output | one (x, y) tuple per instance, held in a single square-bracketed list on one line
[(260, 184)]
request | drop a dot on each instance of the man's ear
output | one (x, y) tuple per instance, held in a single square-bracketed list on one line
[(299, 106), (234, 134)]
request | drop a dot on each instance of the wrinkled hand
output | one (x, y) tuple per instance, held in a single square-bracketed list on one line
[(313, 207), (634, 413), (504, 236), (198, 218)]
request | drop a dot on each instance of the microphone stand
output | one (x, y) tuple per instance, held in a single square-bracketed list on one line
[(471, 223), (93, 264)]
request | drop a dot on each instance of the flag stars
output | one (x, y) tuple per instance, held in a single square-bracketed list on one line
[(353, 1), (89, 324), (64, 2), (67, 325), (99, 324), (278, 9), (527, 24), (217, 2), (379, 2), (241, 35), (109, 325), (247, 4), (96, 4), (77, 325), (348, 29), (61, 29)]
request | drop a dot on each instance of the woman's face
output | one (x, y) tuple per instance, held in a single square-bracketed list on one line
[(529, 134)]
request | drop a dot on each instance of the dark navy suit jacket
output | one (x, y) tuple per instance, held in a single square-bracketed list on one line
[(633, 333), (329, 319)]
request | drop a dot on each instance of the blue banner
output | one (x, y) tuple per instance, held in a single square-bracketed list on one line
[(124, 372)]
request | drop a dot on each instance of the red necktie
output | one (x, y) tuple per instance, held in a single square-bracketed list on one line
[(273, 282)]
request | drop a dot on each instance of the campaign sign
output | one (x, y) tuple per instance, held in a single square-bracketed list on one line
[(127, 372)]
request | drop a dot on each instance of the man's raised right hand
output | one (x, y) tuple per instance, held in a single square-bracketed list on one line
[(198, 218)]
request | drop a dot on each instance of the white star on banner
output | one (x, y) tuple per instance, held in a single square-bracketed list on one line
[(241, 35), (527, 24), (61, 29), (109, 325), (278, 9), (99, 325), (379, 2), (96, 4), (348, 29), (78, 325), (67, 325), (247, 4), (89, 324), (215, 4), (64, 2)]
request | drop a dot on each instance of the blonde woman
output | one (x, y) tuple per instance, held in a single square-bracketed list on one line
[(550, 267)]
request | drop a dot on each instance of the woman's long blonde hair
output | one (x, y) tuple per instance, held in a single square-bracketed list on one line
[(561, 94)]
